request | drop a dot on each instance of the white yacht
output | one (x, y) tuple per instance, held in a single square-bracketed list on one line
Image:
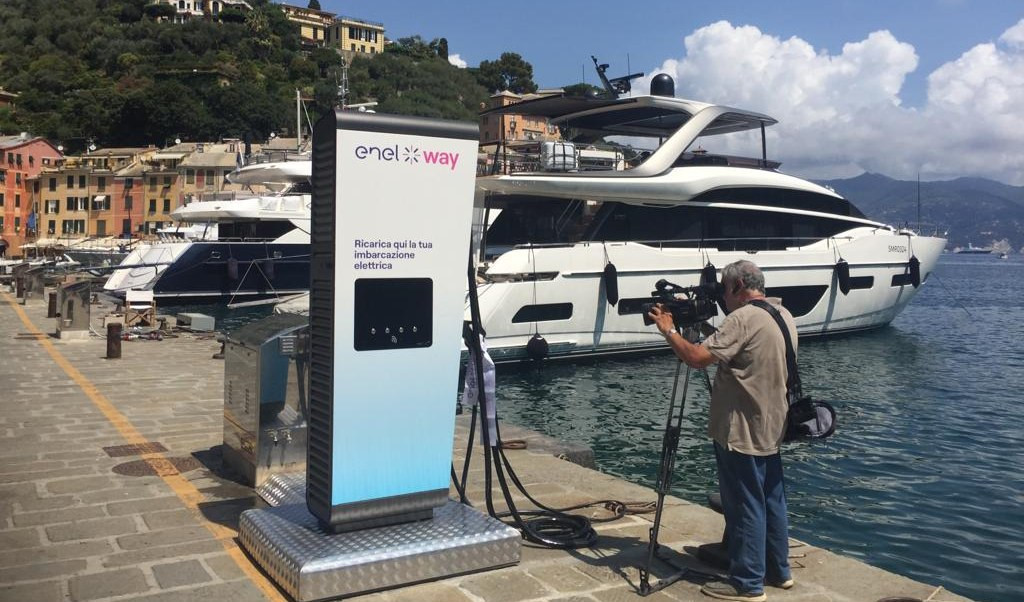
[(240, 247), (674, 210)]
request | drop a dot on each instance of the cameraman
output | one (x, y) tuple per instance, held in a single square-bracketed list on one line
[(747, 422)]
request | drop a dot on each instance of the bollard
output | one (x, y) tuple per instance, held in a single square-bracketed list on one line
[(51, 306), (113, 340), (19, 285)]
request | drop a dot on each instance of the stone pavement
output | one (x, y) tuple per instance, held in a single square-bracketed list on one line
[(111, 488)]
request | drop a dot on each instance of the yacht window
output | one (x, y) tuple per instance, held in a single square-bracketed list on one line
[(727, 229), (799, 300), (301, 188), (859, 282), (535, 220), (544, 312)]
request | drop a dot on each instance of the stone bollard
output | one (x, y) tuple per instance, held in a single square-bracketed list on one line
[(19, 286), (51, 305), (113, 340)]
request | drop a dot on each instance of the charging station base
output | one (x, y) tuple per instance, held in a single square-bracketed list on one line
[(310, 563)]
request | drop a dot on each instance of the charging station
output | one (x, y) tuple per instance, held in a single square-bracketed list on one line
[(391, 219)]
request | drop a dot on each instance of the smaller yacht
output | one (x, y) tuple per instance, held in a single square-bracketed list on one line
[(239, 246)]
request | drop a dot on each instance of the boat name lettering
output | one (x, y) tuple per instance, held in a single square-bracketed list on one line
[(897, 249), (407, 154)]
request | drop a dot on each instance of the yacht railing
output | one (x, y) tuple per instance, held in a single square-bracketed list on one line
[(752, 243), (523, 156)]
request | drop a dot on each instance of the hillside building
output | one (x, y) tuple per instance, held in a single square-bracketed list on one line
[(22, 159)]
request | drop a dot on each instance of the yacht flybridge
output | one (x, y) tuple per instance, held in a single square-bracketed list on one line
[(667, 213)]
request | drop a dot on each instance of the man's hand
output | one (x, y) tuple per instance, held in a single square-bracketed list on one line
[(662, 319)]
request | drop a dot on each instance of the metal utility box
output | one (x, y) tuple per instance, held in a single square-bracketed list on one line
[(266, 397), (73, 309), (198, 322), (35, 282)]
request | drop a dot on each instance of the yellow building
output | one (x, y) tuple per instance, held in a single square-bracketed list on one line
[(312, 23), (359, 36), (510, 127)]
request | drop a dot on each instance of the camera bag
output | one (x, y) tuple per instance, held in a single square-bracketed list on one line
[(807, 418)]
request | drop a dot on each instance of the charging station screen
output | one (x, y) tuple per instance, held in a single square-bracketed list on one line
[(393, 313)]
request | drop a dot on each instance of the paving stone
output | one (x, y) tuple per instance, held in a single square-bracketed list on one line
[(176, 574), (107, 584), (53, 553), (162, 538), (78, 485), (224, 567), (170, 518), (504, 586), (235, 591), (134, 492), (563, 578), (38, 572), (32, 592), (624, 593), (63, 515), (175, 552), (34, 504), (91, 529), (144, 505), (20, 538)]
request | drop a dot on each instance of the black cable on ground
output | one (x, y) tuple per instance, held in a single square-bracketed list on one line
[(548, 526)]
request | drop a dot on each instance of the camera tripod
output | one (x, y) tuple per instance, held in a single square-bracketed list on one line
[(666, 468)]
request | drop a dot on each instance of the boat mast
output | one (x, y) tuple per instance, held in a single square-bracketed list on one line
[(298, 120)]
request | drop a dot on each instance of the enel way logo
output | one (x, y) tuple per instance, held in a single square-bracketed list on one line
[(407, 154)]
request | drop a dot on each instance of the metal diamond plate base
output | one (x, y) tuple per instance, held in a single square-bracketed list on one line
[(310, 563)]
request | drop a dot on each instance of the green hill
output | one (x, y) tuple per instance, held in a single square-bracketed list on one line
[(110, 71)]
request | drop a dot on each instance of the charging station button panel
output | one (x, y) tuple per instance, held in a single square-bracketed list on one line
[(393, 313)]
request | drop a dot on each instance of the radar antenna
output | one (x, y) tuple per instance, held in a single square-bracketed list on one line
[(614, 87)]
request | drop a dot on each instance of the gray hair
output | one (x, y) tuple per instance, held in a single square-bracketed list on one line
[(746, 273)]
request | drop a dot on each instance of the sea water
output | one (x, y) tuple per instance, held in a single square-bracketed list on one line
[(925, 475)]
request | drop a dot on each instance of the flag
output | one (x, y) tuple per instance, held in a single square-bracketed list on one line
[(238, 160), (30, 224)]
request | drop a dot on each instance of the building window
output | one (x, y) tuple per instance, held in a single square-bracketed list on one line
[(353, 47), (17, 223), (71, 181), (167, 205), (129, 182), (17, 178), (152, 184), (152, 206), (17, 200), (101, 184), (209, 178), (190, 176), (51, 226), (31, 160), (362, 48), (167, 181), (81, 181), (52, 206), (128, 203), (1, 199), (373, 50)]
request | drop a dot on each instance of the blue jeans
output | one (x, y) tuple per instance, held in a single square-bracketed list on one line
[(756, 528)]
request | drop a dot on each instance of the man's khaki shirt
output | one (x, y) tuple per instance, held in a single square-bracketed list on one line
[(748, 401)]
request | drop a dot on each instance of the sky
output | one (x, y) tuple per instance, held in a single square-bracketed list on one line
[(904, 88)]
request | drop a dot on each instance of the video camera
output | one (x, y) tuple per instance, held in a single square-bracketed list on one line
[(689, 305)]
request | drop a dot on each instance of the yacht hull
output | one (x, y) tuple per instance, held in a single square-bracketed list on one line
[(585, 324), (215, 270)]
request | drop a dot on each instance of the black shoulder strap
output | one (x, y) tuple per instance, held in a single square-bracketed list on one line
[(793, 384)]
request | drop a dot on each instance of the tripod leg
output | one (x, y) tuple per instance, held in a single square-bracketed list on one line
[(669, 449)]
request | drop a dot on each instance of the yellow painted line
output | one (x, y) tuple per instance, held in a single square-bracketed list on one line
[(182, 487)]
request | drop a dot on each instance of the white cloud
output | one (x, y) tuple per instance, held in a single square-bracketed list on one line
[(457, 61), (840, 113)]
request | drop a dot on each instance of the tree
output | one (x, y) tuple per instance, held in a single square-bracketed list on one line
[(510, 72), (442, 48), (314, 4)]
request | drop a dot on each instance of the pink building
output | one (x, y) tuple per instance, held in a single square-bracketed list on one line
[(21, 160)]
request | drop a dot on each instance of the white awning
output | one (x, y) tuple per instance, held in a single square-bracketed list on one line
[(169, 156), (99, 198)]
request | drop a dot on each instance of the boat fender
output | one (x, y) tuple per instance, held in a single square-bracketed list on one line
[(915, 271), (232, 268), (843, 276), (537, 348), (611, 283), (268, 268), (709, 274)]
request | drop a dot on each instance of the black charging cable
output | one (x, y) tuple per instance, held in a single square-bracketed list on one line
[(548, 527)]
